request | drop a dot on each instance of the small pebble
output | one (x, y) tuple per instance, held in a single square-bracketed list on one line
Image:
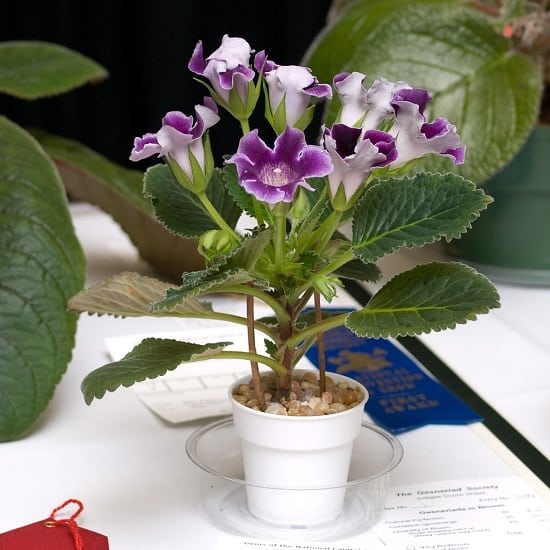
[(305, 397)]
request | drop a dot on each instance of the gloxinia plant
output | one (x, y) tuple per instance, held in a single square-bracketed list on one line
[(316, 214)]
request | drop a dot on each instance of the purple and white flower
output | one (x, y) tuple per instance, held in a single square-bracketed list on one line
[(274, 175), (379, 99), (228, 71), (292, 88), (354, 156), (416, 137), (180, 139), (353, 97), (399, 108)]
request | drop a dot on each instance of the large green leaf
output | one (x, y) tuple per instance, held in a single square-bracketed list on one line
[(151, 358), (30, 70), (90, 177), (180, 210), (433, 296), (491, 93), (130, 295), (413, 211), (41, 266)]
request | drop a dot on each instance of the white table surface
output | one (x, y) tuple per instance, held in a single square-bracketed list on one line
[(130, 468)]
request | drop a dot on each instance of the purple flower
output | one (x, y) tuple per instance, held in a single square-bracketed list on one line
[(379, 100), (399, 108), (180, 138), (292, 88), (228, 71), (273, 175), (354, 156), (353, 98), (416, 137)]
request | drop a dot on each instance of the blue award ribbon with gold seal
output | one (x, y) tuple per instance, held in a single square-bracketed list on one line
[(402, 393)]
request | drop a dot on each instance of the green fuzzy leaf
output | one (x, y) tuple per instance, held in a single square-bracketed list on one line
[(234, 268), (358, 271), (151, 358), (198, 283), (41, 266), (88, 176), (250, 248), (242, 198), (433, 296), (489, 92), (413, 211), (31, 70), (181, 211), (130, 295)]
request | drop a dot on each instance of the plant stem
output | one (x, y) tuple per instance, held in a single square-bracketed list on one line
[(320, 343), (256, 382), (280, 312), (228, 317), (322, 235), (215, 215), (280, 236), (326, 270), (312, 330), (247, 356), (245, 127)]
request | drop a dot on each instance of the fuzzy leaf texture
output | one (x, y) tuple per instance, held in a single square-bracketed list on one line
[(88, 176), (234, 268), (30, 70), (413, 211), (489, 92), (198, 283), (240, 196), (428, 297), (129, 295), (181, 211), (357, 270), (41, 266), (151, 358)]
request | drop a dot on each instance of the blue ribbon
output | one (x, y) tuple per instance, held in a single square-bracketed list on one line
[(402, 394)]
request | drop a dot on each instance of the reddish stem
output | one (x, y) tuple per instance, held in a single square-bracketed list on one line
[(256, 381), (320, 343)]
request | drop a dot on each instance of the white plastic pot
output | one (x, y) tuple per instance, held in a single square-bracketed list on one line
[(296, 467)]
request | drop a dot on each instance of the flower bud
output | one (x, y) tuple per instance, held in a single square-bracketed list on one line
[(326, 286), (300, 206), (214, 242)]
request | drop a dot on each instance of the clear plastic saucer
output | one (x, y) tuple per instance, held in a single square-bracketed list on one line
[(215, 449)]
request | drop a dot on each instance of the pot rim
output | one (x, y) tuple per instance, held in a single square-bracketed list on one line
[(283, 418)]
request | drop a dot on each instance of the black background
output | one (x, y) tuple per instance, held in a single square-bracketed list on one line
[(145, 46)]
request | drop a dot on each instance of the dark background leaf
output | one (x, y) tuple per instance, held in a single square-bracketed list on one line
[(30, 70), (490, 93), (90, 177), (41, 266)]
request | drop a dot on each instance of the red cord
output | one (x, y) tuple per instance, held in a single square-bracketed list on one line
[(70, 522)]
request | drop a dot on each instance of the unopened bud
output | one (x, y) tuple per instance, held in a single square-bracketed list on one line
[(215, 242), (300, 206), (326, 286)]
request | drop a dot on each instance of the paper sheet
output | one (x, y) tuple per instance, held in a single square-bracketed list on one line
[(195, 390), (476, 514)]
